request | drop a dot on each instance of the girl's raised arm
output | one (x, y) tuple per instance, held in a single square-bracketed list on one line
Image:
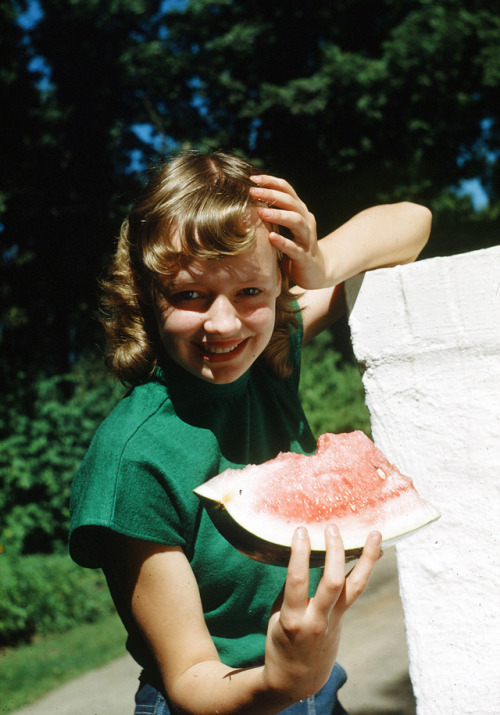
[(377, 237)]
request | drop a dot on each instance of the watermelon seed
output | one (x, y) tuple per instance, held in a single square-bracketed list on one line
[(380, 473)]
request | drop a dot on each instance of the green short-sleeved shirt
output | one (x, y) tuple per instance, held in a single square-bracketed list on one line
[(160, 442)]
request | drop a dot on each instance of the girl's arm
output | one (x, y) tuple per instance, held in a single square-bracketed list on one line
[(159, 589), (380, 236)]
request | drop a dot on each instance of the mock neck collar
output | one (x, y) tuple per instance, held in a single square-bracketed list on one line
[(182, 384)]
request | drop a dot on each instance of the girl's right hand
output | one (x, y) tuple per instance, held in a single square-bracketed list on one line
[(303, 635)]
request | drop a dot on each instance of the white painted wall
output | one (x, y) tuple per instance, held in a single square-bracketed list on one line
[(427, 338)]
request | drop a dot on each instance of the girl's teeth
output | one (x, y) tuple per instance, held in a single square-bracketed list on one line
[(219, 351)]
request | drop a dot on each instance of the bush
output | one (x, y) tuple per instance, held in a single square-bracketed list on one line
[(41, 451), (331, 390), (42, 594)]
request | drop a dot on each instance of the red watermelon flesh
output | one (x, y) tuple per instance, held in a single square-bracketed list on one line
[(366, 480), (348, 481)]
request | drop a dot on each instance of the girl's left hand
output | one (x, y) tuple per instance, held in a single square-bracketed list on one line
[(303, 262), (304, 632)]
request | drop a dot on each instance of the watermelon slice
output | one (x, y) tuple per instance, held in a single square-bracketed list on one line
[(348, 481)]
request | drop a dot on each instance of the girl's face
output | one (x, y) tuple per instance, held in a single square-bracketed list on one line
[(215, 317)]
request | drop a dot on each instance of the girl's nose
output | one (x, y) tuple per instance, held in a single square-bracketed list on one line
[(222, 317)]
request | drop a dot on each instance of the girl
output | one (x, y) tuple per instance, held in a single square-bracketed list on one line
[(204, 327)]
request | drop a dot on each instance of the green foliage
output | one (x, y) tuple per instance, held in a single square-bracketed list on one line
[(362, 100), (331, 390), (46, 428), (42, 594), (458, 228), (353, 102)]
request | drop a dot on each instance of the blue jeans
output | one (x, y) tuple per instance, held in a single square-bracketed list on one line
[(150, 701)]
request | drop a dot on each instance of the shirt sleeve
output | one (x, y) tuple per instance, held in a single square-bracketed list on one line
[(125, 487)]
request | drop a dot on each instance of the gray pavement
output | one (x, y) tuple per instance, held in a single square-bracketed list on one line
[(373, 651), (373, 648)]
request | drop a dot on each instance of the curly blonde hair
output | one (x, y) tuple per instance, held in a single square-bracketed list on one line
[(201, 199)]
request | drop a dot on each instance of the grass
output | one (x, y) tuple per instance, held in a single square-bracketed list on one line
[(30, 671)]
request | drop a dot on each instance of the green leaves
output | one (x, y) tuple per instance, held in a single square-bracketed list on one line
[(331, 389), (45, 435), (46, 594)]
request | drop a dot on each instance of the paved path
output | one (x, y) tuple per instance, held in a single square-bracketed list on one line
[(373, 648), (373, 652)]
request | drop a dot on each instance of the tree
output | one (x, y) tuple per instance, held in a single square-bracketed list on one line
[(361, 101), (21, 135), (355, 102), (66, 197)]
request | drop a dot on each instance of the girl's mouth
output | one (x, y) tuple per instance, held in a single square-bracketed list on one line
[(220, 352)]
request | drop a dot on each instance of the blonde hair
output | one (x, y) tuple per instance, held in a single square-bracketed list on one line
[(194, 207)]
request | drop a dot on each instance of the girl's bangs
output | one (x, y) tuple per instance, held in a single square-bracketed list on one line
[(220, 225)]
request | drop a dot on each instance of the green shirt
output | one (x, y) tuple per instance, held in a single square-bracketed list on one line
[(161, 441)]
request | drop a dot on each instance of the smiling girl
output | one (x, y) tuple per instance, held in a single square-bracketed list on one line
[(215, 323), (203, 326)]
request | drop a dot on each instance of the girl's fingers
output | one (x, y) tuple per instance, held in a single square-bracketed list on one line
[(360, 575), (295, 596), (275, 198), (292, 220), (284, 208), (265, 181), (332, 582), (280, 194), (301, 225), (304, 263), (293, 250), (334, 588)]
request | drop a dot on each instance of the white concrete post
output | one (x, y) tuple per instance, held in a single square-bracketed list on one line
[(427, 339)]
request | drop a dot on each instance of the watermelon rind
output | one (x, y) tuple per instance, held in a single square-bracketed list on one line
[(347, 481), (277, 552)]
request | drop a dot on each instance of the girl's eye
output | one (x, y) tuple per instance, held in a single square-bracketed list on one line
[(251, 291), (185, 296), (189, 294)]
